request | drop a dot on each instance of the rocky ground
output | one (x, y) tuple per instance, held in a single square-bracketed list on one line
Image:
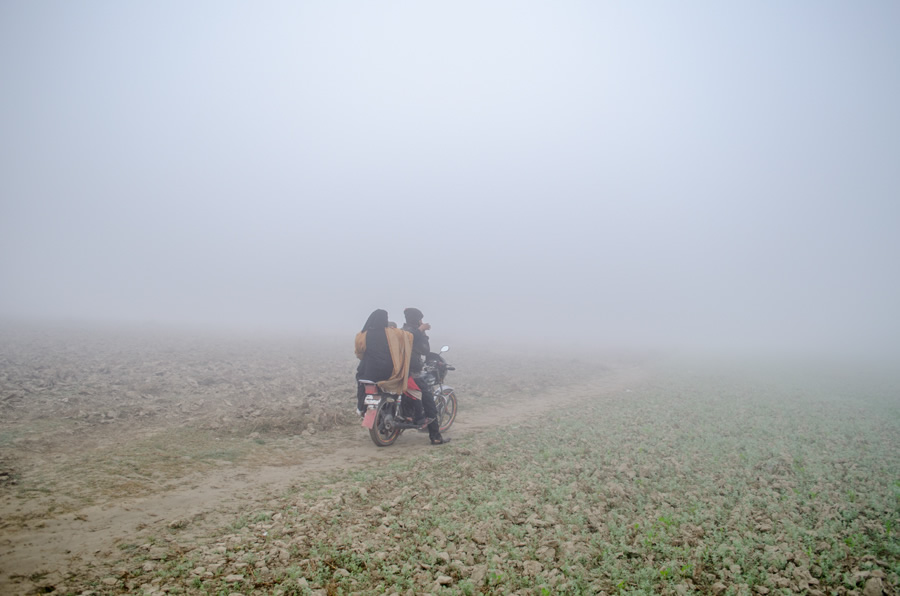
[(173, 464), (103, 432)]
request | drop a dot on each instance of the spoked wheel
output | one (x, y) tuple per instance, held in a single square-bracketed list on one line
[(446, 408), (384, 432)]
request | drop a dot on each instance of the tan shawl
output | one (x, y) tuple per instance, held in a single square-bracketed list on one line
[(400, 345)]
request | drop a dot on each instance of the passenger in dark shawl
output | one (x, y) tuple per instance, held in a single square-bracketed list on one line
[(375, 363), (383, 354)]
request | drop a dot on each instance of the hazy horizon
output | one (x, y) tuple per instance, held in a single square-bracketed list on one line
[(693, 176)]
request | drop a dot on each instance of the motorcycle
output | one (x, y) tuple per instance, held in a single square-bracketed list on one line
[(388, 414)]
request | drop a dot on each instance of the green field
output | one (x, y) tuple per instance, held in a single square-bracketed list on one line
[(707, 481)]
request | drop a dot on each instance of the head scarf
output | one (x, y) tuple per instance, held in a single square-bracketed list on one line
[(377, 320)]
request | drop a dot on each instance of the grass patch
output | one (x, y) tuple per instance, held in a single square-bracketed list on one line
[(693, 483)]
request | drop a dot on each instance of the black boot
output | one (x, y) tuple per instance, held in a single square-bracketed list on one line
[(434, 432)]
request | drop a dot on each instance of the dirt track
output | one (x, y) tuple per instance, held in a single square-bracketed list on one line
[(109, 439)]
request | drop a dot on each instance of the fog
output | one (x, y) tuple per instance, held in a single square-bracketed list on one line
[(690, 176)]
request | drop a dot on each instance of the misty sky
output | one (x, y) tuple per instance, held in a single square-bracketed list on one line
[(697, 173)]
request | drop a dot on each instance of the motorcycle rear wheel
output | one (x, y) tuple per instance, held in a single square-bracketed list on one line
[(446, 408), (382, 432)]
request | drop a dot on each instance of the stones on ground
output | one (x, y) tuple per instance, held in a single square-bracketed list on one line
[(478, 573), (874, 587), (532, 568), (302, 527)]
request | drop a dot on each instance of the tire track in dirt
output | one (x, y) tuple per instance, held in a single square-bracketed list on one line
[(46, 551)]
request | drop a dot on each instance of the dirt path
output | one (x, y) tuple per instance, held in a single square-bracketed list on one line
[(45, 551)]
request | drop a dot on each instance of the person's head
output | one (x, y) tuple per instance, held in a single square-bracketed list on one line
[(377, 320), (392, 324), (413, 316)]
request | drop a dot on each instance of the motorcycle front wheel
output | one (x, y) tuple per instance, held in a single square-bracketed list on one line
[(446, 408), (383, 431)]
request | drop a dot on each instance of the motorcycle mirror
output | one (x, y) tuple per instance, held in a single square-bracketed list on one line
[(445, 348)]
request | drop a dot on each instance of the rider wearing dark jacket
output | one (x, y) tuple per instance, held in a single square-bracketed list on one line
[(420, 350), (421, 346)]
